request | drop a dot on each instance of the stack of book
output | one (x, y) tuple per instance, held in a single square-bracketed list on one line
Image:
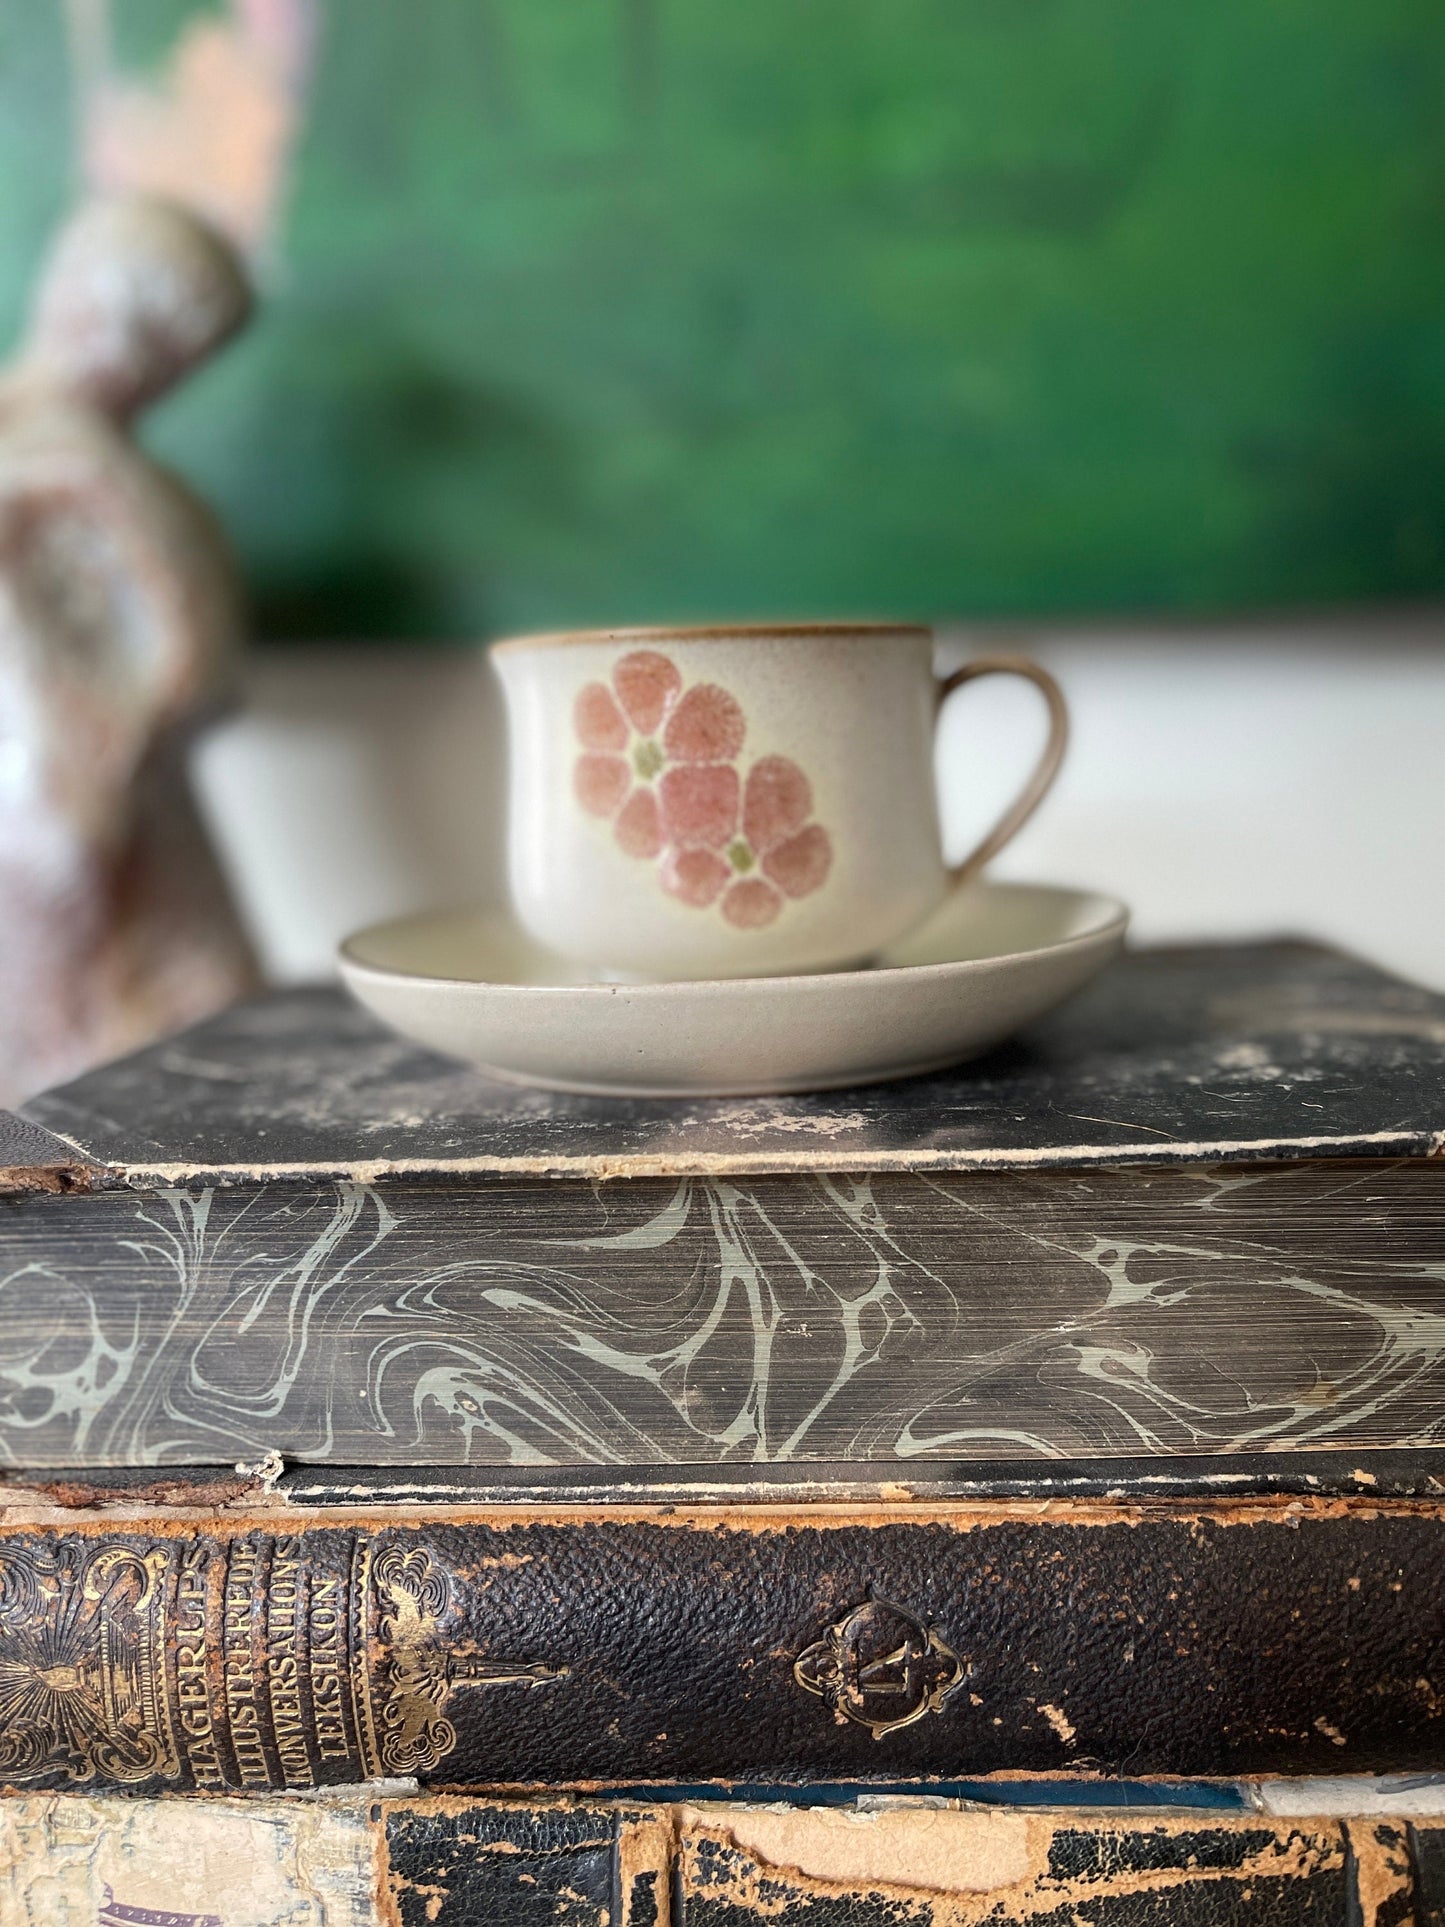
[(493, 1500)]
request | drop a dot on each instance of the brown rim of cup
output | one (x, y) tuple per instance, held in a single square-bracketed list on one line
[(709, 632)]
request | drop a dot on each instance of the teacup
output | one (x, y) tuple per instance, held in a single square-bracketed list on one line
[(735, 801)]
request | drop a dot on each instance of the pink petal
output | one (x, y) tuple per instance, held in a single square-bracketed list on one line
[(601, 782), (800, 865), (646, 684), (639, 827), (751, 904), (598, 721), (706, 727), (700, 804), (695, 875), (777, 801)]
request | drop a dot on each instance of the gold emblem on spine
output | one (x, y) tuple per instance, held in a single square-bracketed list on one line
[(879, 1667), (82, 1663), (407, 1691)]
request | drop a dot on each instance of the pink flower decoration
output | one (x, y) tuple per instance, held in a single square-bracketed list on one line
[(618, 729), (773, 836), (660, 762)]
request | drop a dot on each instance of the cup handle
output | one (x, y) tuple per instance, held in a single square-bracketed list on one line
[(1044, 771)]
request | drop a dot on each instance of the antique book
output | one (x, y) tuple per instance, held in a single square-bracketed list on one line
[(389, 1859), (1200, 1211), (1072, 1413), (177, 1640)]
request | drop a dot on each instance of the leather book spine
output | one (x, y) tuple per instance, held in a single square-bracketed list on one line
[(609, 1646)]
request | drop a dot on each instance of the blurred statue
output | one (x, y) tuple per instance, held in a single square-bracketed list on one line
[(119, 624)]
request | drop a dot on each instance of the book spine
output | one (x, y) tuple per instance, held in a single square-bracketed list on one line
[(609, 1647), (454, 1862)]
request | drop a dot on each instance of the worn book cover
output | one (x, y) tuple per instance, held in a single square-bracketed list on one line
[(390, 1859), (1200, 1211), (165, 1642)]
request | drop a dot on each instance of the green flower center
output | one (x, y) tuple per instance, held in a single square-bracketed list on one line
[(647, 759), (740, 856)]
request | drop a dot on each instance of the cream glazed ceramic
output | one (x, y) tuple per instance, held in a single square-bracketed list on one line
[(995, 956), (732, 801)]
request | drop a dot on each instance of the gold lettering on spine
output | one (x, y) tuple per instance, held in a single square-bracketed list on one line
[(359, 1605), (284, 1614), (243, 1709), (193, 1696), (326, 1653)]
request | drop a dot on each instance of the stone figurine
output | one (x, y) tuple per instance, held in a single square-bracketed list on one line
[(120, 620)]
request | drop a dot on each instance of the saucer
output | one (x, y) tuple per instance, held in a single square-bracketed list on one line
[(474, 985)]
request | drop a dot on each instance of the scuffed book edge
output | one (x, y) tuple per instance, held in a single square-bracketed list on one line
[(34, 1160)]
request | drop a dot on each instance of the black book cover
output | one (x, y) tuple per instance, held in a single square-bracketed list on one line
[(1198, 1212)]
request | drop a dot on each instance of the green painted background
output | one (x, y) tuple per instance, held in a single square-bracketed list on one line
[(608, 309)]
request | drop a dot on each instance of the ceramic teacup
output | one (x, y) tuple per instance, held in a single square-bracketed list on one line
[(735, 801)]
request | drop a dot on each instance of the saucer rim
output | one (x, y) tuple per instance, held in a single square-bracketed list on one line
[(1113, 926)]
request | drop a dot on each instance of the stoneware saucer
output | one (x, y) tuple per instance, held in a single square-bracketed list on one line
[(471, 984)]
